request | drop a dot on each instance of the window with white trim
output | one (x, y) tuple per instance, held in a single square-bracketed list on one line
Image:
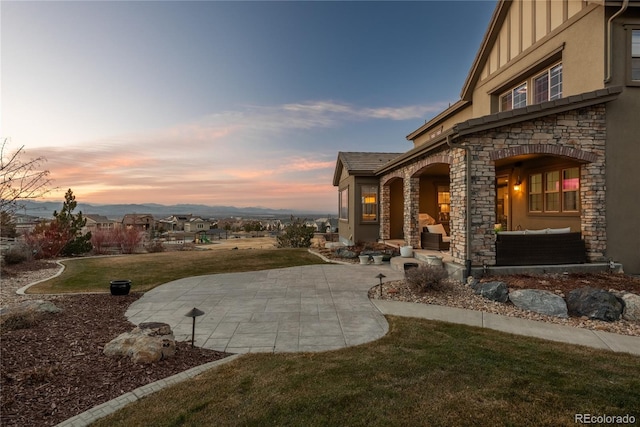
[(369, 194), (555, 191), (546, 86)]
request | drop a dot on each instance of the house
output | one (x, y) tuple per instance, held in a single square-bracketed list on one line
[(196, 224), (98, 222), (142, 222), (544, 137)]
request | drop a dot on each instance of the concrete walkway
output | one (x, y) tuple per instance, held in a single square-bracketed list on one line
[(318, 308)]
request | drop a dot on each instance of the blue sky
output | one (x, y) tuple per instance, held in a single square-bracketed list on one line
[(225, 103)]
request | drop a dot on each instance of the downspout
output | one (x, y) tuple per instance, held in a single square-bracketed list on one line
[(467, 262), (625, 4)]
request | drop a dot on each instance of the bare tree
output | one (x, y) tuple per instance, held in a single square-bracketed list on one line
[(20, 179)]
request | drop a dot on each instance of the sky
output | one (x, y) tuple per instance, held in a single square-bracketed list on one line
[(237, 103)]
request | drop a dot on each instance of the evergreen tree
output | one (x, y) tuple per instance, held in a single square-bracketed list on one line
[(73, 223)]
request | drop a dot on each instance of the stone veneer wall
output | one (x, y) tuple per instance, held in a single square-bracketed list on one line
[(577, 134)]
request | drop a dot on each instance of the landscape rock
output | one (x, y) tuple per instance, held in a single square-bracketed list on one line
[(495, 291), (38, 306), (147, 343), (631, 310), (539, 301), (594, 304)]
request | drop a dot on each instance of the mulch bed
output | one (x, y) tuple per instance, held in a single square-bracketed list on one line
[(55, 369)]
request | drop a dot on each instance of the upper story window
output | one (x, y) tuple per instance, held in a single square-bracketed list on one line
[(635, 55), (546, 87), (369, 203)]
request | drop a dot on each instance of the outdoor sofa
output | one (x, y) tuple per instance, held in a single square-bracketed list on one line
[(540, 247)]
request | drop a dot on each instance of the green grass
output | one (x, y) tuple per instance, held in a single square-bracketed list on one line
[(421, 373), (147, 271)]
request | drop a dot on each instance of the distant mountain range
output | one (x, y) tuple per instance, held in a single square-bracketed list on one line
[(46, 209)]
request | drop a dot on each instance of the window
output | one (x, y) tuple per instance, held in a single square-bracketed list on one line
[(555, 191), (570, 189), (535, 193), (546, 87), (369, 203), (635, 55), (515, 98), (343, 202), (552, 192)]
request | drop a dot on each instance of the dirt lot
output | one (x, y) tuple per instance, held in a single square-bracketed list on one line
[(246, 243)]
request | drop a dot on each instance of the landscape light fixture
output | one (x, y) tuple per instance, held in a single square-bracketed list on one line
[(193, 314), (381, 276)]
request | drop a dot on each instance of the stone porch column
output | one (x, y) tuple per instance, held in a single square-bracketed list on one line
[(411, 211), (593, 211), (385, 212)]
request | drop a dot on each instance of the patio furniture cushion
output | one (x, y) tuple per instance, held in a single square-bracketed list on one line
[(437, 229)]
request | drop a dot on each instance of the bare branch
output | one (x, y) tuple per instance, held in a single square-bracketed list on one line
[(20, 179)]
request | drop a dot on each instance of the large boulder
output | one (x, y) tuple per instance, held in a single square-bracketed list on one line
[(496, 291), (147, 343), (594, 304), (543, 302), (631, 309)]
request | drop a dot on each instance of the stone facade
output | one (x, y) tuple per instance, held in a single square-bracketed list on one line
[(578, 134)]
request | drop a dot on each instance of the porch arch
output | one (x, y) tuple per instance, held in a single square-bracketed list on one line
[(554, 150)]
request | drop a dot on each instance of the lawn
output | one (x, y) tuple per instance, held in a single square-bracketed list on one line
[(421, 373), (147, 271)]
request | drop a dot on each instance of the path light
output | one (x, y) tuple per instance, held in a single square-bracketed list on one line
[(381, 276), (193, 314)]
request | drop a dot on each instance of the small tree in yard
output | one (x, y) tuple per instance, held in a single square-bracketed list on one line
[(63, 235), (296, 235), (77, 243), (47, 240), (130, 239)]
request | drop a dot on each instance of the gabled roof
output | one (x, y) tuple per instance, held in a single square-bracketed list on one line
[(360, 164), (499, 15), (98, 218), (489, 39)]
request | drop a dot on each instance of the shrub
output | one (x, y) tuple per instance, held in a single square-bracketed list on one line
[(426, 277), (16, 255), (14, 320), (155, 246), (296, 235)]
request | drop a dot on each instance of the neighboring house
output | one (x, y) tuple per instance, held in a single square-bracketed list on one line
[(26, 223), (197, 224), (98, 222), (142, 222), (545, 135)]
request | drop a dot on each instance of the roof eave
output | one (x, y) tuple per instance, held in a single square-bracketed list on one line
[(536, 111), (415, 152), (461, 104)]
